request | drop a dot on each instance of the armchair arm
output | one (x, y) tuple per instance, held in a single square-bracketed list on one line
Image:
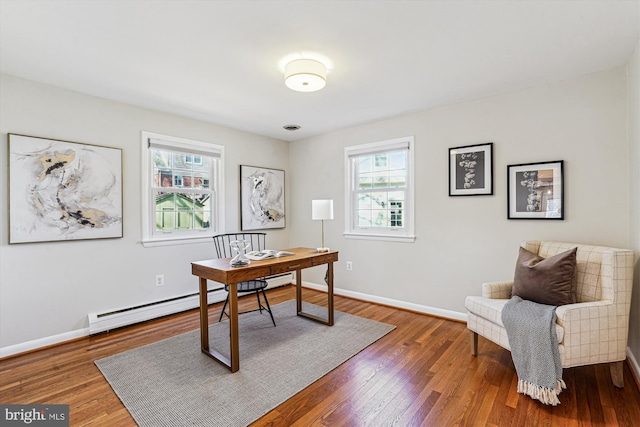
[(594, 332), (595, 313), (497, 290)]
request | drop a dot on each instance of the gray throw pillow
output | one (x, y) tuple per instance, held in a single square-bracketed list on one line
[(545, 280)]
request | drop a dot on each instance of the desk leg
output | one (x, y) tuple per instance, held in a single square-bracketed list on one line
[(298, 291), (329, 320), (234, 362), (330, 294), (234, 343), (204, 316)]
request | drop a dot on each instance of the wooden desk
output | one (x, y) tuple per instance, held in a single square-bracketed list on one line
[(220, 270)]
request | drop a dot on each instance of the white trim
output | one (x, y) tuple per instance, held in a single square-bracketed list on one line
[(175, 241), (384, 237), (403, 143), (434, 311), (217, 152), (633, 362), (43, 342)]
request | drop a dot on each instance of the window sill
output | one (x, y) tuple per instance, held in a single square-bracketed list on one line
[(383, 237), (170, 241)]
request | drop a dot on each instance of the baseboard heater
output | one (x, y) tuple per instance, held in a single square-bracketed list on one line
[(109, 320)]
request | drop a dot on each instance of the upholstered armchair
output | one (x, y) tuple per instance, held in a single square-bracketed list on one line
[(593, 330)]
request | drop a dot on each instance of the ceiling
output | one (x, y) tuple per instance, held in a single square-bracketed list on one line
[(223, 61)]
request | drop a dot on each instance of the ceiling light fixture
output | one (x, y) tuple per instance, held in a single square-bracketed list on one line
[(305, 75), (291, 127)]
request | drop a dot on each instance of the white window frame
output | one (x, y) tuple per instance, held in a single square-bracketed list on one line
[(404, 234), (151, 238)]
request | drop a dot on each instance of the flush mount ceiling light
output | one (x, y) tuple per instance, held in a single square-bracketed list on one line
[(305, 75)]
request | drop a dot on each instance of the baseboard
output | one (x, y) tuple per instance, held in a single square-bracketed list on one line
[(434, 311), (633, 364), (27, 346)]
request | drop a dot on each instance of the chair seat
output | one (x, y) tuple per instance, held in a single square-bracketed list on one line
[(491, 309), (250, 286)]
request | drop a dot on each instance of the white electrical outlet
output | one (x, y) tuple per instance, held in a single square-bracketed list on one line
[(349, 266), (160, 280)]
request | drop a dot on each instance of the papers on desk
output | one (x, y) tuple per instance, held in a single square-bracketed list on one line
[(266, 254)]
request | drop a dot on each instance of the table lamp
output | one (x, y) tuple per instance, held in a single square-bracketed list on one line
[(321, 210)]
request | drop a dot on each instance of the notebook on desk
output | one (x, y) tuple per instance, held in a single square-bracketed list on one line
[(266, 254)]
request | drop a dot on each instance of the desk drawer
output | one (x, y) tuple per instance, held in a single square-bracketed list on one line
[(291, 266)]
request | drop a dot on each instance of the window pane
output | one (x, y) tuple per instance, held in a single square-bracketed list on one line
[(398, 160), (203, 220), (185, 220), (381, 161), (398, 178), (184, 202), (165, 179), (364, 164), (201, 202), (381, 179), (379, 217), (379, 200), (161, 159), (165, 220), (187, 181), (365, 181), (364, 201), (178, 160), (396, 196), (364, 218), (199, 180)]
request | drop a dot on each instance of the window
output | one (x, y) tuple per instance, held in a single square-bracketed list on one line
[(379, 190), (181, 189)]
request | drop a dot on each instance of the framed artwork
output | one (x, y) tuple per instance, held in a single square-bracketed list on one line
[(471, 170), (536, 190), (261, 198), (61, 190)]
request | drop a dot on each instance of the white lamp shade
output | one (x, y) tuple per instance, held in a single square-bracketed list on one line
[(321, 209), (305, 75)]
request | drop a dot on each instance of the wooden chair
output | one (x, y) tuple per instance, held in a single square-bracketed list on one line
[(257, 243)]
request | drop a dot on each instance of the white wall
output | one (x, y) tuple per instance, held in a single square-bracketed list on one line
[(633, 91), (464, 241), (47, 289)]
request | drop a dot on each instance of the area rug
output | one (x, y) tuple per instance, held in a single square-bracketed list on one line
[(172, 383)]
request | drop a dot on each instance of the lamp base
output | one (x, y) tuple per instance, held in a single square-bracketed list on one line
[(322, 249)]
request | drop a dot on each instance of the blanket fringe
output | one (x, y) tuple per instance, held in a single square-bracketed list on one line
[(548, 396)]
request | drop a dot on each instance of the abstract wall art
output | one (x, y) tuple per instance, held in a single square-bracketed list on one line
[(261, 198), (61, 190)]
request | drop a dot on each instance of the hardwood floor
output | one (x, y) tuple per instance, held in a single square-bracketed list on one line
[(422, 373)]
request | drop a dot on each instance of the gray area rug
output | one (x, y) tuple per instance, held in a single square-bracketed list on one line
[(172, 383)]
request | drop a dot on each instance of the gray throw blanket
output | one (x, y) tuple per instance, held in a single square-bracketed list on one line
[(531, 329)]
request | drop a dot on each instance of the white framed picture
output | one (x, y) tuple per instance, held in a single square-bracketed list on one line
[(62, 190), (471, 170), (261, 198), (536, 190)]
